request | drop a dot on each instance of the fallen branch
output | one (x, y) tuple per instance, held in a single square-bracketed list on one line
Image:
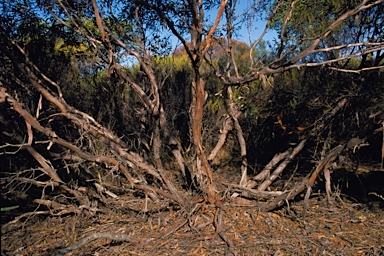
[(268, 168), (309, 181), (256, 193), (282, 166), (290, 154)]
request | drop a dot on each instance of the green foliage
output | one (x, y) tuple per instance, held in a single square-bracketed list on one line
[(69, 50), (310, 18), (181, 63)]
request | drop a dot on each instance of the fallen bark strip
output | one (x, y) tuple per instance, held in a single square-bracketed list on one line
[(219, 230), (94, 236), (24, 215)]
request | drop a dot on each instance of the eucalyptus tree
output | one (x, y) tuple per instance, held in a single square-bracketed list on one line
[(142, 33)]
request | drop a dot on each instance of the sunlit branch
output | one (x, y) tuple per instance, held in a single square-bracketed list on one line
[(287, 18), (357, 71), (214, 27)]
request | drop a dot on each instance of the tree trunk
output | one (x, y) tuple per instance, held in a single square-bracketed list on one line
[(204, 173)]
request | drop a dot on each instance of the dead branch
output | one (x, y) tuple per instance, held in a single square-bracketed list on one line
[(268, 168), (279, 200), (276, 173), (309, 181), (289, 155), (131, 156), (36, 182), (234, 113), (153, 106), (254, 192), (285, 197), (222, 138), (53, 137), (57, 209), (50, 204), (307, 46), (47, 167), (323, 165)]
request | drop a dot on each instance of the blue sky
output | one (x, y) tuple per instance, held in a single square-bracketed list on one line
[(257, 26), (243, 34)]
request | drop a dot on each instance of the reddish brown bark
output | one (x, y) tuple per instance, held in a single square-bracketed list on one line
[(196, 51)]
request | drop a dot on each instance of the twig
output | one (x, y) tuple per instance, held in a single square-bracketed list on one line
[(176, 228)]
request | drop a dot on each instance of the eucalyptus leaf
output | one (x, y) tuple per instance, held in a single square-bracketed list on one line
[(9, 208)]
